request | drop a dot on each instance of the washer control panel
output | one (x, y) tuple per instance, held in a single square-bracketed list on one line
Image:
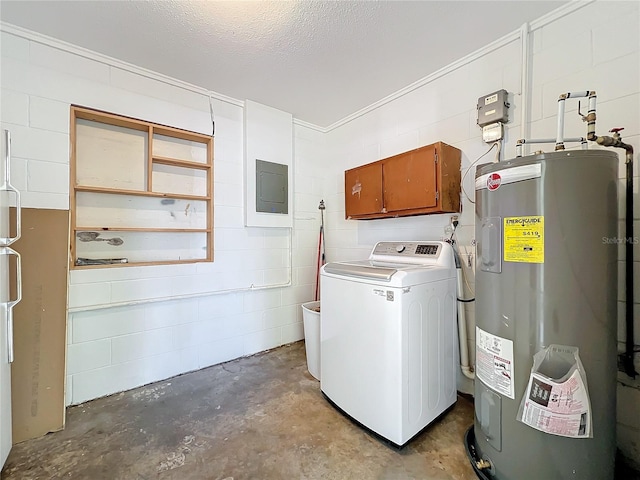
[(427, 249), (407, 249)]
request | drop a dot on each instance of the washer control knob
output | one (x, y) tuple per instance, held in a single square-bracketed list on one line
[(400, 248)]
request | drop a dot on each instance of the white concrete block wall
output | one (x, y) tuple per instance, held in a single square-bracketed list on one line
[(595, 47), (125, 343)]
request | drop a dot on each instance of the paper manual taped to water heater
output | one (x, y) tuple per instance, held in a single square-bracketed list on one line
[(557, 406)]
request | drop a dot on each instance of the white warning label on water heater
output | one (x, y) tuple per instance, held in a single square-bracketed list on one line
[(494, 362)]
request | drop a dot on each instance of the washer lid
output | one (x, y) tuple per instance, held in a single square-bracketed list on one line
[(395, 275), (399, 264), (364, 269)]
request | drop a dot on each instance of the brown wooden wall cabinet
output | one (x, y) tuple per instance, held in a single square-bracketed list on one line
[(421, 181)]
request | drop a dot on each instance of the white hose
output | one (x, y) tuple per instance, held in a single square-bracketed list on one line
[(462, 330)]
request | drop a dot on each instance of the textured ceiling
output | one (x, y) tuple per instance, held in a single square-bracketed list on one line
[(319, 60)]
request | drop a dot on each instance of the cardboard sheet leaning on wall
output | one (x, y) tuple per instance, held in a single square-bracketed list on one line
[(556, 400)]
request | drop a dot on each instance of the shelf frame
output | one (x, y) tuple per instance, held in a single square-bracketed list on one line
[(150, 129)]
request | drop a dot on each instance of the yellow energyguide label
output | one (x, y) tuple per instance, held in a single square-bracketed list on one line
[(524, 239)]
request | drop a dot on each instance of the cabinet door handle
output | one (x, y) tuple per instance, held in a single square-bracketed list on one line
[(12, 303), (7, 187)]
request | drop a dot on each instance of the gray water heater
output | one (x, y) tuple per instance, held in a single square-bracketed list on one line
[(546, 298)]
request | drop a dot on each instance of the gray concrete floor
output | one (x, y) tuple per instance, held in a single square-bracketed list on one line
[(261, 417)]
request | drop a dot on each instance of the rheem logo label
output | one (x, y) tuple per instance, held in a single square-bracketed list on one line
[(493, 181)]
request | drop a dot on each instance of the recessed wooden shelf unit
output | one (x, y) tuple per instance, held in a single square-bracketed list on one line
[(141, 193)]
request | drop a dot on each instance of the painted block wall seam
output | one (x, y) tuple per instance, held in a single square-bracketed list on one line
[(88, 356), (14, 107), (48, 114), (139, 345)]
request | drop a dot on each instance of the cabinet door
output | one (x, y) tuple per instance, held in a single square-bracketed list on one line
[(410, 180), (363, 190)]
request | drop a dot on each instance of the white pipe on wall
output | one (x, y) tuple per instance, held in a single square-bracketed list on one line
[(523, 141), (524, 78), (250, 288), (560, 129), (462, 329), (561, 101)]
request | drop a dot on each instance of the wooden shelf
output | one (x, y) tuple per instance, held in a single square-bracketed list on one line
[(178, 133), (138, 193), (137, 264), (174, 162), (140, 229)]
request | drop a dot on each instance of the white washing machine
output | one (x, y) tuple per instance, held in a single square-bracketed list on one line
[(388, 337)]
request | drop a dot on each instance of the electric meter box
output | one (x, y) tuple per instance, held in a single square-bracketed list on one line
[(493, 108)]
